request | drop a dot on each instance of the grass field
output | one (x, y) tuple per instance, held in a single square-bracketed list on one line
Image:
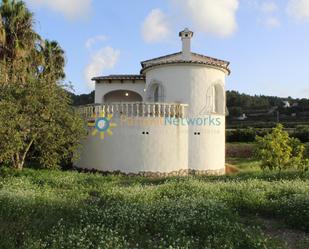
[(54, 209)]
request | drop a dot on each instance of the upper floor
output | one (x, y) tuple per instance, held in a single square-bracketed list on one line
[(181, 78)]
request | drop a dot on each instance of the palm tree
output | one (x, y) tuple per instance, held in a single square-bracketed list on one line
[(53, 60), (17, 36)]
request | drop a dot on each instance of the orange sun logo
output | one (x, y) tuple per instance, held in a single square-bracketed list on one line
[(102, 125)]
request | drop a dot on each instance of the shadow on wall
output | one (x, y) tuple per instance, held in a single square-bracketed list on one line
[(122, 96)]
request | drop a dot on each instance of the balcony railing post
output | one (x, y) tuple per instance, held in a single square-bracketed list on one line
[(153, 110), (148, 110), (126, 109), (135, 109), (182, 111), (132, 110)]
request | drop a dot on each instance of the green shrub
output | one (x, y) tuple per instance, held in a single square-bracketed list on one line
[(302, 133), (277, 150), (246, 135)]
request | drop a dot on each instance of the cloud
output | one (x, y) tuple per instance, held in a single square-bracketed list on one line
[(269, 7), (93, 40), (155, 27), (70, 8), (217, 18), (212, 17), (103, 59), (298, 9), (272, 22)]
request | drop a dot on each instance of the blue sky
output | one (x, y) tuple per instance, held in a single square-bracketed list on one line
[(266, 41)]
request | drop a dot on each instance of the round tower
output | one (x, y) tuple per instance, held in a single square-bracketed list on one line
[(198, 81)]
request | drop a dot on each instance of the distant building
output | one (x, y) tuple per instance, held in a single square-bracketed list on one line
[(286, 104), (242, 117)]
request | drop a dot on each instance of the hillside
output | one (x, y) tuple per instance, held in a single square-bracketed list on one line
[(264, 111)]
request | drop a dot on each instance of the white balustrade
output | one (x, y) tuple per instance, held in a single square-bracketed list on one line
[(134, 109)]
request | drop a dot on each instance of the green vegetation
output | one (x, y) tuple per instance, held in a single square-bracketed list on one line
[(54, 209), (82, 99), (277, 150), (37, 123), (243, 103), (247, 135)]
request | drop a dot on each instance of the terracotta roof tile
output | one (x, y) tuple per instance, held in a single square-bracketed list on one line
[(176, 58), (120, 77)]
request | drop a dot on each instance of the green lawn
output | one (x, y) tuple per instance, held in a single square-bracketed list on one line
[(54, 209)]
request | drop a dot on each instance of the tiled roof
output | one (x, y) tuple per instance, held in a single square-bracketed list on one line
[(120, 77), (208, 58), (177, 58), (169, 59), (161, 57)]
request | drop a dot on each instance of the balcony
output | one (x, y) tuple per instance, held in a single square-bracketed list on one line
[(134, 109)]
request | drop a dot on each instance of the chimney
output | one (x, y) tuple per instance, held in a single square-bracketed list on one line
[(186, 36)]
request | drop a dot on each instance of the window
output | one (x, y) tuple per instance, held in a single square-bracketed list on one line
[(218, 105), (215, 100), (155, 92)]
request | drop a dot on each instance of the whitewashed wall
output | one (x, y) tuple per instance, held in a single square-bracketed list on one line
[(189, 84), (186, 83), (207, 150), (165, 149)]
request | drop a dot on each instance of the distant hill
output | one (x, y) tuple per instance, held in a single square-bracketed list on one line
[(82, 99), (265, 111), (239, 103)]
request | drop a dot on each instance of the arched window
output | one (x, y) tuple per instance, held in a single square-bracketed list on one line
[(155, 92), (218, 99), (215, 100)]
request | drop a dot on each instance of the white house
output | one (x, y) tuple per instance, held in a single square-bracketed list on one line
[(167, 120)]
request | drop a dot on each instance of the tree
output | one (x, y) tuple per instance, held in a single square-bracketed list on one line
[(17, 36), (37, 116), (52, 59), (277, 150), (35, 111), (18, 40)]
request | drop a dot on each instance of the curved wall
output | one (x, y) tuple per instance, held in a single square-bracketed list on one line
[(186, 83), (164, 149), (190, 84)]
